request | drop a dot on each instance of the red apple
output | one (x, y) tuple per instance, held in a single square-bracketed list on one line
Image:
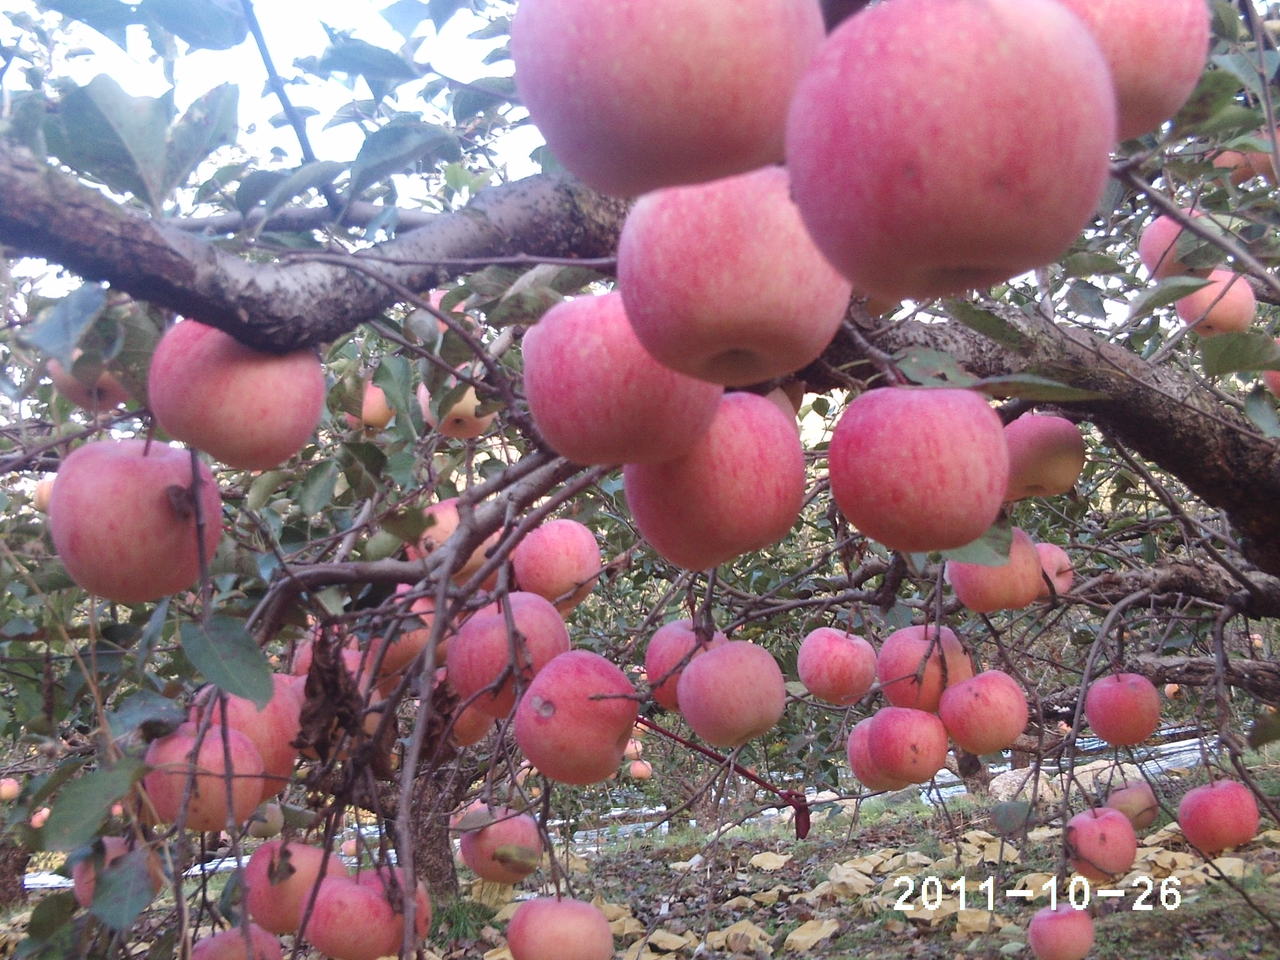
[(1136, 800), (739, 489), (1219, 815), (1226, 305), (1060, 933), (207, 810), (84, 875), (984, 714), (101, 392), (353, 921), (560, 561), (392, 883), (858, 750), (670, 644), (907, 744), (230, 945), (279, 878), (123, 524), (1158, 247), (1101, 843), (664, 92), (249, 409), (462, 420), (548, 929), (271, 729), (574, 721), (597, 396), (722, 282), (919, 469), (836, 666), (1046, 455), (443, 519), (902, 655), (506, 850), (1122, 708), (471, 725), (375, 412), (1012, 585), (1056, 565), (640, 770), (732, 693), (912, 194), (1135, 34)]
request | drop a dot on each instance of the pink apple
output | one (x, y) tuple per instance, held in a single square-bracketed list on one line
[(230, 945), (122, 521), (732, 693), (1012, 585), (462, 420), (560, 561), (574, 721), (213, 779), (249, 409), (665, 92), (1158, 247), (640, 770), (102, 392), (10, 789), (279, 878), (1060, 933), (858, 750), (1101, 843), (1122, 708), (1272, 378), (911, 666), (836, 666), (471, 725), (481, 652), (1226, 305), (392, 883), (739, 489), (915, 195), (986, 713), (1056, 565), (671, 644), (1134, 35), (722, 282), (1046, 455), (597, 396), (506, 850), (907, 744), (353, 921), (1137, 801), (271, 729), (919, 469), (375, 412), (549, 929), (84, 875), (443, 519), (1220, 815)]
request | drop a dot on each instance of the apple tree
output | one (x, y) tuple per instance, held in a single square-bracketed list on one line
[(387, 527)]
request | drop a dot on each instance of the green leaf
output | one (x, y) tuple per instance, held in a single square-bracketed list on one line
[(58, 332), (124, 889), (211, 24), (536, 291), (986, 323), (347, 55), (1226, 21), (51, 915), (989, 550), (83, 804), (931, 368), (226, 655), (409, 525), (317, 488), (1030, 386), (209, 123), (148, 712), (1216, 92), (108, 17), (442, 10), (395, 147), (1260, 407), (263, 486), (1232, 352), (1265, 729), (1011, 817), (479, 95), (1090, 265), (405, 15), (1167, 291), (257, 185), (307, 177)]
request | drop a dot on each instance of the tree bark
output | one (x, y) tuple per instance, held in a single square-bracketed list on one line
[(13, 867)]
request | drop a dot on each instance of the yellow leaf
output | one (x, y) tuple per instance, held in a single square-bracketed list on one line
[(742, 936), (627, 927), (738, 903), (848, 881), (1233, 867), (492, 894), (1044, 834), (867, 864), (809, 934), (970, 922), (770, 861), (767, 897), (666, 941), (611, 911), (1035, 882), (506, 912), (499, 953)]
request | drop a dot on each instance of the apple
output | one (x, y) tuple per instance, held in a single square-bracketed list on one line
[(907, 744), (1122, 708), (411, 640), (375, 412), (640, 770), (574, 721), (903, 655), (1219, 815), (1012, 585), (1100, 843), (1056, 566), (42, 494), (279, 878), (1134, 35), (740, 488), (481, 652), (442, 520), (560, 561), (506, 850), (550, 929), (664, 92), (1226, 305), (597, 396), (84, 875), (836, 666), (1158, 247), (98, 391), (39, 818), (1247, 164), (230, 945), (353, 921), (858, 750), (912, 193), (272, 729), (635, 749), (10, 789), (470, 726), (249, 409), (462, 421), (669, 646), (986, 713), (267, 821), (1137, 801), (1046, 455), (207, 810), (722, 282), (732, 693), (122, 521), (1172, 691), (1060, 933), (919, 469), (392, 883)]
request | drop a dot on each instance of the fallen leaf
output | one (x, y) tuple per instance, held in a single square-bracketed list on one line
[(743, 936), (770, 861), (667, 942), (970, 922), (627, 927), (809, 934), (849, 881)]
